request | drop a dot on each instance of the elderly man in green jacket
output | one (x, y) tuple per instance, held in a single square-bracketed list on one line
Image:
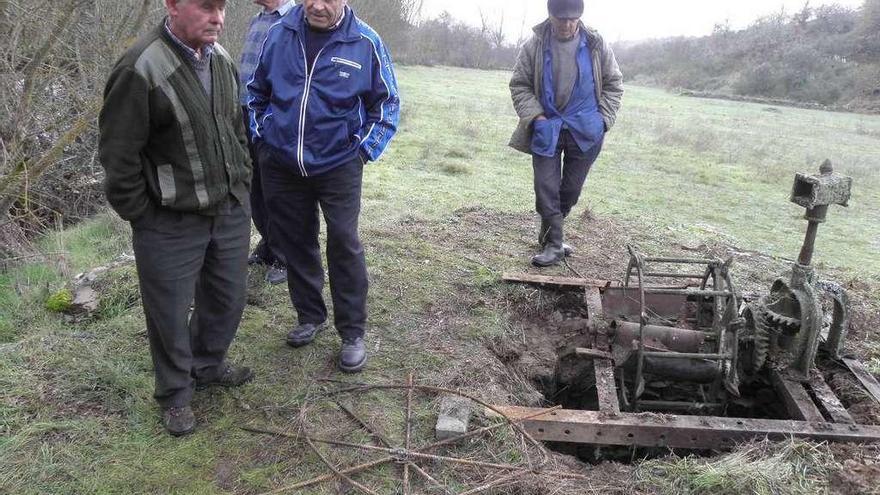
[(566, 90), (174, 150)]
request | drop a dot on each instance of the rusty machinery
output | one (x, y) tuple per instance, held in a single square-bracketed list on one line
[(683, 324)]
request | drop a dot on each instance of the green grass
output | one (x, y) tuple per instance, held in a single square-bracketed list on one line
[(761, 469), (447, 209)]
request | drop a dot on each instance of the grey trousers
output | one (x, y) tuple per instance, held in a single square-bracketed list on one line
[(184, 259), (559, 179)]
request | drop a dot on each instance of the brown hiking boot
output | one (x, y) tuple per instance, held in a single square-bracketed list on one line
[(179, 421), (230, 376)]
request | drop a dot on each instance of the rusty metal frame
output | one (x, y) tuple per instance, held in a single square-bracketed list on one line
[(678, 431), (818, 413), (724, 300)]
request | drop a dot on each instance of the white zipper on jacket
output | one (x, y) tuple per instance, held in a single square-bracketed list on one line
[(303, 105)]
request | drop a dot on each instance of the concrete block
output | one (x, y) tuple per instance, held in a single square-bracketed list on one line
[(453, 418)]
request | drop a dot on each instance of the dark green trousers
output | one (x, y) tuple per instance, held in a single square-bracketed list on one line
[(188, 260)]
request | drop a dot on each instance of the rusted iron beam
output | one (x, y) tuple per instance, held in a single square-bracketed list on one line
[(566, 282), (797, 401), (864, 377), (678, 431), (828, 401), (606, 389), (595, 315)]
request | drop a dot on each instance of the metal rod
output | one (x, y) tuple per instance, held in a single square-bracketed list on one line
[(686, 292), (496, 482), (636, 261), (443, 390), (692, 261), (688, 355), (806, 255), (387, 459), (674, 275), (385, 442), (409, 390), (335, 470), (326, 477), (666, 404), (454, 460), (363, 424)]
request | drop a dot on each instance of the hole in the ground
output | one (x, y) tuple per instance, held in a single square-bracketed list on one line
[(558, 330), (574, 387)]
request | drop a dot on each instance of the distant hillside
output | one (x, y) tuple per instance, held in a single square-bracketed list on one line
[(829, 56)]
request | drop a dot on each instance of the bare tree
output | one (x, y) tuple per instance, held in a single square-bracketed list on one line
[(54, 60), (493, 32)]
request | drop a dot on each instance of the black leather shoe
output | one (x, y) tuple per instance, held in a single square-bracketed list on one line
[(552, 255), (276, 274), (231, 376), (179, 421), (256, 259), (304, 334), (353, 356)]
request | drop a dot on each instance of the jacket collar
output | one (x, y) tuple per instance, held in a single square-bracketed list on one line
[(347, 31), (593, 38)]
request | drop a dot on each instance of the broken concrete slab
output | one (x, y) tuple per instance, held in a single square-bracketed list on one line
[(453, 418)]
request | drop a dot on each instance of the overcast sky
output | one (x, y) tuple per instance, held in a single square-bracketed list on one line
[(627, 20)]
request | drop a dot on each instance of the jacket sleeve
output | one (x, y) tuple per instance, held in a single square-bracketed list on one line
[(259, 90), (612, 86), (124, 126), (382, 104), (522, 86), (241, 134)]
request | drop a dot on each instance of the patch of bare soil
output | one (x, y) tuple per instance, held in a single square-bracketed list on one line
[(859, 469)]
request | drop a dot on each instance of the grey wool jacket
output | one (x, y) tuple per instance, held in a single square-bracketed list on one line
[(526, 85), (164, 142)]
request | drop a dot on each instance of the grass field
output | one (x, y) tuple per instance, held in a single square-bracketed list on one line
[(445, 211)]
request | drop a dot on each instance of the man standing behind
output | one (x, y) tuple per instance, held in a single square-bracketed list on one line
[(566, 90), (174, 152), (323, 102), (266, 252)]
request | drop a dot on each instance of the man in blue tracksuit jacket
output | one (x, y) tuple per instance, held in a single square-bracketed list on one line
[(323, 101)]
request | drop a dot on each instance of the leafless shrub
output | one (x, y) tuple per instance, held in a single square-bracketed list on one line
[(53, 63)]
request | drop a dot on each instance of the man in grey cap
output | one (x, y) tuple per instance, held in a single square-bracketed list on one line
[(566, 89)]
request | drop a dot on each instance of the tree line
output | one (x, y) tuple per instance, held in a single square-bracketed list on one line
[(829, 55), (55, 56)]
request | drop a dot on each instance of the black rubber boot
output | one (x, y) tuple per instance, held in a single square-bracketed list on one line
[(542, 239), (553, 252)]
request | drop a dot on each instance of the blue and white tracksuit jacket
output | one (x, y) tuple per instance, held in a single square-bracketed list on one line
[(346, 106)]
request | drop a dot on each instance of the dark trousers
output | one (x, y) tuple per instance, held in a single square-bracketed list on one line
[(186, 258), (294, 202), (560, 178), (266, 249)]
